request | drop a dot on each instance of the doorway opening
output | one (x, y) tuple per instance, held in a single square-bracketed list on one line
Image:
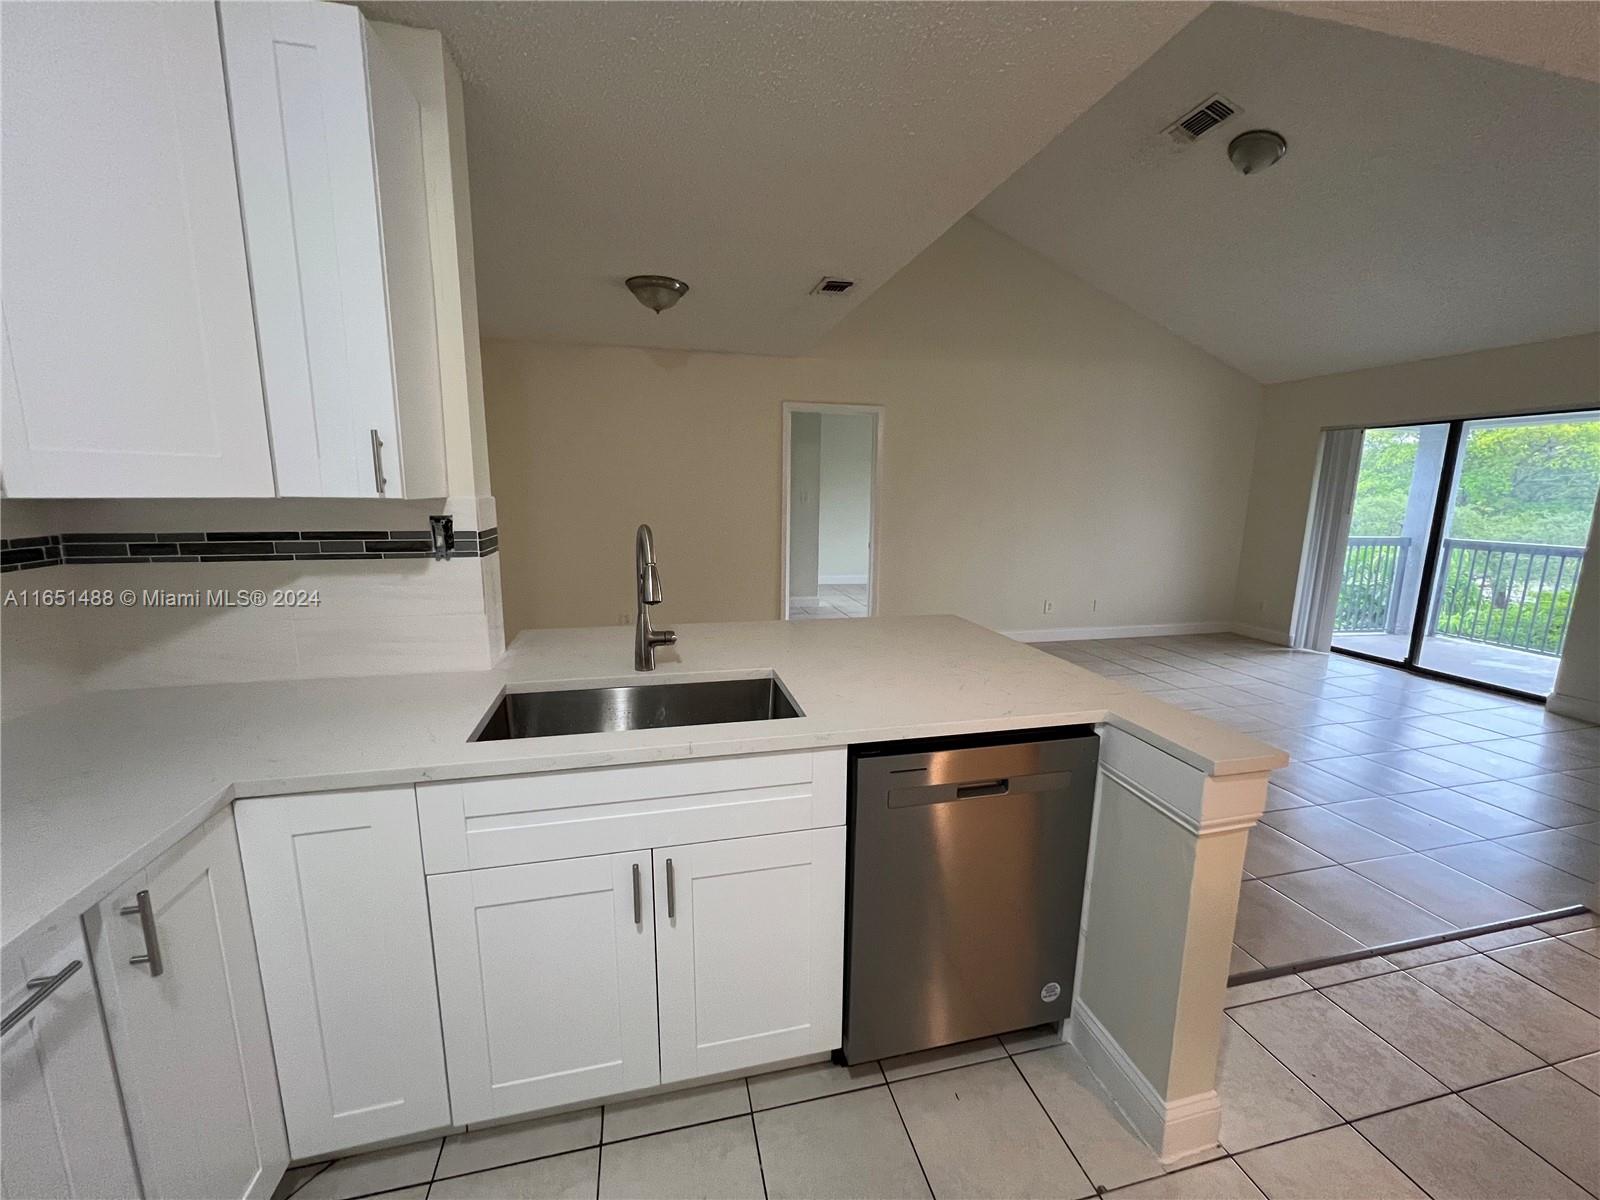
[(1465, 543), (830, 508)]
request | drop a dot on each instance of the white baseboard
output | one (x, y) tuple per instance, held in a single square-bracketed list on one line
[(1573, 706), (1174, 1129), (1260, 632), (1079, 633), (841, 579)]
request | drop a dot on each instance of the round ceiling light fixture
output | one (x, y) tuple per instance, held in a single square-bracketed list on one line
[(658, 292), (1256, 150)]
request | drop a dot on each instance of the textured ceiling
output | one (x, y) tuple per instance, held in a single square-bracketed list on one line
[(1432, 201), (749, 149)]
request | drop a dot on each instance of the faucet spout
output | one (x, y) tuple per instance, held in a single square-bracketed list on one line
[(648, 582)]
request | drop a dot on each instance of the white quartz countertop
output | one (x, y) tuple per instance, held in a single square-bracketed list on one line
[(96, 788)]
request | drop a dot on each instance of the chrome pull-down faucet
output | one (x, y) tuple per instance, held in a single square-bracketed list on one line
[(645, 639)]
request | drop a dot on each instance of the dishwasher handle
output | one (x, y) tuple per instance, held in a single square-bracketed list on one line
[(918, 795)]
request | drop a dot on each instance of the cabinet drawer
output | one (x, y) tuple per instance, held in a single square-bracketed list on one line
[(568, 814)]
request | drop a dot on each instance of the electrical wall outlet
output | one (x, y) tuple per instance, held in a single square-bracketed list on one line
[(1049, 606), (1094, 606)]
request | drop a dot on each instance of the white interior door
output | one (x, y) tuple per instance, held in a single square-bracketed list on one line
[(191, 1043), (60, 1113), (341, 919), (547, 982), (130, 346), (750, 950)]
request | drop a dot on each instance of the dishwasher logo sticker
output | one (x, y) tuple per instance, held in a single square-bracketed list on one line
[(1050, 992)]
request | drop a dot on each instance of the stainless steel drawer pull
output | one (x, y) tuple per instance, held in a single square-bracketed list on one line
[(638, 898), (142, 908), (672, 893), (42, 987), (377, 462)]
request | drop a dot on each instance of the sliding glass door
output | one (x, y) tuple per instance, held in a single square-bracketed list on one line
[(1475, 583), (1396, 493)]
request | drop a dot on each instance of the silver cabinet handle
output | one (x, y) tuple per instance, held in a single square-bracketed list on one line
[(377, 462), (142, 908), (42, 987), (672, 893), (638, 898)]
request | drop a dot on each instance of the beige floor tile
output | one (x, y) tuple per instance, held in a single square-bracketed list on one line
[(1276, 931), (1240, 961), (1565, 970), (1421, 956), (810, 1083), (1459, 899), (501, 1145), (1559, 849), (1587, 940), (1530, 1015), (1110, 1152), (1399, 823), (1212, 1181), (1451, 1150), (1585, 1070), (1262, 1101), (294, 1179), (380, 1171), (841, 1146), (1518, 796), (1040, 1037), (1515, 874), (979, 1132), (1583, 920), (1363, 909), (1331, 835), (1474, 815), (1442, 1038), (1502, 938), (1264, 989), (1336, 1164), (1348, 1065), (1361, 968), (717, 1160), (571, 1176), (942, 1058), (1555, 1116), (1272, 853), (692, 1106)]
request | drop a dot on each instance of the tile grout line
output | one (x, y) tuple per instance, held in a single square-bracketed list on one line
[(755, 1135), (1048, 1116), (910, 1141)]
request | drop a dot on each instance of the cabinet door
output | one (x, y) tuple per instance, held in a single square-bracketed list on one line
[(297, 79), (749, 950), (130, 353), (547, 982), (191, 1043), (341, 919), (60, 1114)]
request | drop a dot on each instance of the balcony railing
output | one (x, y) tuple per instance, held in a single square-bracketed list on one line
[(1515, 594), (1369, 592), (1512, 594)]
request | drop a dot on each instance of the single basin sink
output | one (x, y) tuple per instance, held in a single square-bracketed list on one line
[(637, 706)]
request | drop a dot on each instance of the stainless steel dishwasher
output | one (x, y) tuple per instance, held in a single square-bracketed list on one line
[(967, 862)]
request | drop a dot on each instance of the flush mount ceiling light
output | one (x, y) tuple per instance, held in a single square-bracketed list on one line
[(1256, 150), (658, 292)]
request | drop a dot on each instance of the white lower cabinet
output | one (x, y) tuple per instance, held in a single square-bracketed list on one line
[(62, 1133), (181, 989), (749, 950), (341, 921), (547, 982)]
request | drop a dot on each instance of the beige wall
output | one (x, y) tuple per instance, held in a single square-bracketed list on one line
[(1538, 377), (1040, 441)]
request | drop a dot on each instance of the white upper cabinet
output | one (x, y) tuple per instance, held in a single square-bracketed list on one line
[(129, 351), (181, 988), (330, 154)]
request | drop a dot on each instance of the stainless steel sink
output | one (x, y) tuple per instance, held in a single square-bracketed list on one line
[(637, 706)]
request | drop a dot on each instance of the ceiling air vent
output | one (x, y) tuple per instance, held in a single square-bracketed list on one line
[(1202, 117), (829, 286)]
